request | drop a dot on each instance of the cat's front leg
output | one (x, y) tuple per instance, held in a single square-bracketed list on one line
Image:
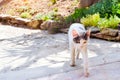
[(77, 51), (85, 61), (72, 52)]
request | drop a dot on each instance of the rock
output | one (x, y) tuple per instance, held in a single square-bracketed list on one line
[(97, 35), (16, 21), (105, 37), (118, 38), (64, 30), (59, 18), (58, 21), (51, 25), (94, 29), (119, 33), (109, 32), (5, 18), (19, 22), (46, 24), (34, 24), (54, 30)]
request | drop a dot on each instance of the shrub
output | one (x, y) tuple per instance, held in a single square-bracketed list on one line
[(106, 8), (55, 9), (38, 16), (91, 20), (103, 23), (45, 17), (116, 9), (111, 22), (95, 20), (25, 12), (78, 13), (25, 15)]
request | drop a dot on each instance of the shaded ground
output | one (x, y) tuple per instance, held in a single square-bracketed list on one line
[(36, 55)]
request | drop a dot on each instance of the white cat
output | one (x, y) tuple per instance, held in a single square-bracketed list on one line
[(78, 39)]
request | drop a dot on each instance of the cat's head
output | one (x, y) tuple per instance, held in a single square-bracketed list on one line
[(81, 39)]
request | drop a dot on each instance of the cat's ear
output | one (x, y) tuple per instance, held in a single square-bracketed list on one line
[(74, 33), (88, 32)]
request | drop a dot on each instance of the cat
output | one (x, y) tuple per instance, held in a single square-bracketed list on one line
[(78, 39)]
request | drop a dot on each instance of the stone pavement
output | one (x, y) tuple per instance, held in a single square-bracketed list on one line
[(36, 55)]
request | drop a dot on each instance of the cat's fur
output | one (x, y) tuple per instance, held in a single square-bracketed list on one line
[(78, 39)]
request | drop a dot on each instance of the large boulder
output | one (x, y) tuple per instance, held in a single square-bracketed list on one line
[(105, 37), (109, 32), (51, 25), (54, 26)]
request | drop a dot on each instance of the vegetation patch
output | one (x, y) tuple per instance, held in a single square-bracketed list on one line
[(91, 20)]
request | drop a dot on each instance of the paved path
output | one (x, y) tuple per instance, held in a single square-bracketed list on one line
[(36, 55)]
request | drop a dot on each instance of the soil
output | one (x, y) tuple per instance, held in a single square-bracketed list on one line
[(12, 7)]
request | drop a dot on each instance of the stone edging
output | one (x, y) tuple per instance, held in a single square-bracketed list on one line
[(20, 22), (107, 34), (54, 27)]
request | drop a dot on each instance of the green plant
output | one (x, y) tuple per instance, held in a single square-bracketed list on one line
[(25, 11), (103, 23), (91, 20), (45, 17), (116, 9), (55, 9), (25, 15), (53, 1), (38, 16), (78, 13), (111, 22), (106, 8)]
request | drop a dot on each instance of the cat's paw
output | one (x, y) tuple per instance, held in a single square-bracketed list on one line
[(86, 74), (72, 65)]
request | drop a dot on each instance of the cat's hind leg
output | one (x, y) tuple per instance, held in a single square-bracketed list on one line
[(77, 51)]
